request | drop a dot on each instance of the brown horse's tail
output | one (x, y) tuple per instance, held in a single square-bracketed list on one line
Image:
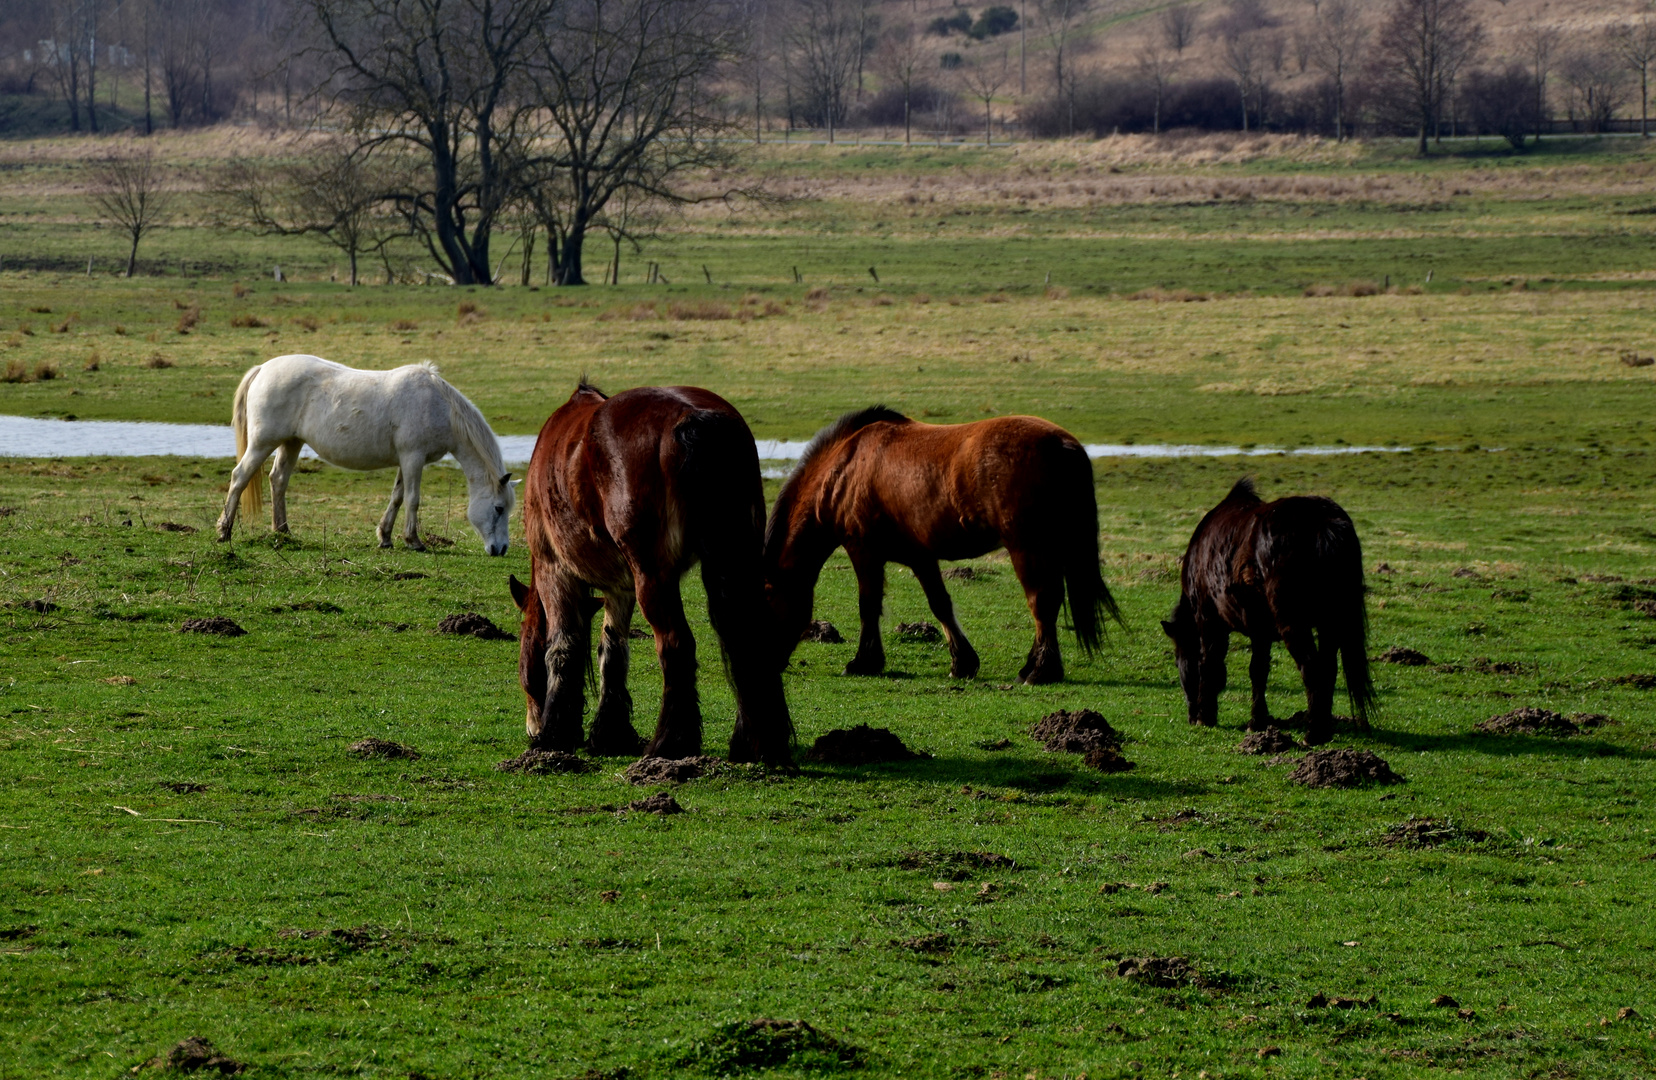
[(252, 496), (1340, 551), (1089, 598), (723, 506)]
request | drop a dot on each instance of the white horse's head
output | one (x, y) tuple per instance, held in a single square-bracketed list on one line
[(490, 512)]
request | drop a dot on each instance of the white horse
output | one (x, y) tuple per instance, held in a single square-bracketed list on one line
[(407, 417)]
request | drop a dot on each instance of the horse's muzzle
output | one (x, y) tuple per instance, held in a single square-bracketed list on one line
[(493, 549)]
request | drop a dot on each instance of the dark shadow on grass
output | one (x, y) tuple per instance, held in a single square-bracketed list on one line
[(1504, 745), (1029, 777)]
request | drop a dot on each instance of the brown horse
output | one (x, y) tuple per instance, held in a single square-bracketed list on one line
[(624, 494), (1274, 571), (892, 490)]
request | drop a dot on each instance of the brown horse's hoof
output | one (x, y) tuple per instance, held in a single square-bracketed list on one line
[(546, 741), (1319, 736), (965, 667), (1043, 677), (673, 748), (614, 741), (859, 666)]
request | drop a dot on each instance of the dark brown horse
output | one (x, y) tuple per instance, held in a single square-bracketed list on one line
[(892, 490), (624, 495), (1289, 571)]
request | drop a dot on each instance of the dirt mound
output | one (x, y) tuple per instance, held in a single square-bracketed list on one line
[(822, 632), (1527, 721), (175, 527), (1076, 732), (1637, 682), (955, 865), (1398, 654), (478, 626), (1592, 720), (746, 1045), (215, 625), (382, 748), (659, 803), (1106, 759), (544, 763), (1645, 607), (659, 770), (1270, 741), (861, 745), (1429, 832), (1163, 971), (1483, 665), (1343, 768), (919, 631), (193, 1055)]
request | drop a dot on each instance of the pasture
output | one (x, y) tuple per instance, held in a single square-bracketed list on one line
[(187, 848)]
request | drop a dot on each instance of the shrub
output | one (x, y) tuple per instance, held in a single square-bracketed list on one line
[(944, 25), (885, 109), (993, 22)]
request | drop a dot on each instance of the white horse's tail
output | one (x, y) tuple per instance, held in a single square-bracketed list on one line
[(252, 496)]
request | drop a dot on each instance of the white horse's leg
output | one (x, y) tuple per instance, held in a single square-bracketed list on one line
[(245, 472), (287, 456), (389, 521), (412, 466)]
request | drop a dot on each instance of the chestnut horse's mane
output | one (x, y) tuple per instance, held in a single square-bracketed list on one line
[(828, 436)]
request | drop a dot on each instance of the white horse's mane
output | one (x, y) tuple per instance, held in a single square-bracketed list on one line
[(469, 422)]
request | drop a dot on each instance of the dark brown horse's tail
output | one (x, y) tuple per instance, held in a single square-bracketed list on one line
[(1342, 553), (1089, 598), (724, 507)]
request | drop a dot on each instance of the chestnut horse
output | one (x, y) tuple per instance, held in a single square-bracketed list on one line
[(893, 490), (1275, 571), (624, 494)]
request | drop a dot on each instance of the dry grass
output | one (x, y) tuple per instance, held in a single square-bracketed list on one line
[(405, 325), (700, 310), (1169, 296), (187, 319), (45, 371), (16, 372), (239, 291), (93, 362), (156, 361), (247, 322), (308, 323)]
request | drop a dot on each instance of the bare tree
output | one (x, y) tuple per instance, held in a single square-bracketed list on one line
[(1635, 44), (1421, 47), (1594, 89), (824, 45), (1178, 27), (755, 64), (132, 191), (983, 78), (1537, 44), (1245, 57), (1157, 66), (1061, 26), (1338, 34), (900, 60)]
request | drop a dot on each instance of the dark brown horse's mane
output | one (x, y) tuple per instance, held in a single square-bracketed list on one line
[(584, 387), (828, 436), (1242, 492)]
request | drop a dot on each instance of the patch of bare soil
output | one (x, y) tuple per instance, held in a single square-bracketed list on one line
[(1592, 720), (1399, 654), (658, 770), (1106, 759), (1164, 971), (861, 745), (1429, 832), (175, 527), (478, 626), (1637, 682), (1270, 741), (919, 631), (955, 865), (544, 762), (822, 632), (218, 624), (382, 748), (1483, 665), (1075, 732), (659, 803), (1527, 721), (193, 1055), (1343, 768)]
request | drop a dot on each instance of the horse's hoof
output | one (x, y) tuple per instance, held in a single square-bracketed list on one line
[(859, 666), (1319, 736), (565, 744), (385, 544), (966, 668), (614, 742), (672, 749), (1044, 676), (412, 545)]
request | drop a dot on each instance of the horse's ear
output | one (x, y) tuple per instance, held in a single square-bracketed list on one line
[(505, 478), (1170, 628), (520, 592)]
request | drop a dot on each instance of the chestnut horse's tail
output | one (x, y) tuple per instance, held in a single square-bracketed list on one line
[(723, 504), (252, 496), (1341, 554), (1089, 598)]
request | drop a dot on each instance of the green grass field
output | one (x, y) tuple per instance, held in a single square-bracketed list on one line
[(188, 849)]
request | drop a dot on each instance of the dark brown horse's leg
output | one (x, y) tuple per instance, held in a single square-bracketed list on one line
[(1043, 585), (1259, 673), (678, 732), (1214, 674), (963, 659), (1316, 667), (613, 734), (870, 658), (568, 651)]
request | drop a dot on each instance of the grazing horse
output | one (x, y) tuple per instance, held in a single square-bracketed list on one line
[(1275, 571), (625, 494), (407, 417), (892, 490)]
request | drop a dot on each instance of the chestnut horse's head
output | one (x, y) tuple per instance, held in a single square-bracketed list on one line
[(1187, 651), (531, 651)]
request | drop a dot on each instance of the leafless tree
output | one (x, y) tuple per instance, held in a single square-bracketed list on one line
[(824, 44), (1338, 35), (1421, 47), (1061, 22), (72, 56), (1635, 43), (755, 64), (1538, 45), (1594, 88), (984, 77), (1178, 27), (1157, 66), (133, 192), (868, 36), (900, 60), (1244, 56)]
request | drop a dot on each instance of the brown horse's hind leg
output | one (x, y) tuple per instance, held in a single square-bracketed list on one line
[(963, 659), (1316, 666), (568, 651), (1259, 673), (1043, 586), (678, 732), (613, 734), (870, 658)]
